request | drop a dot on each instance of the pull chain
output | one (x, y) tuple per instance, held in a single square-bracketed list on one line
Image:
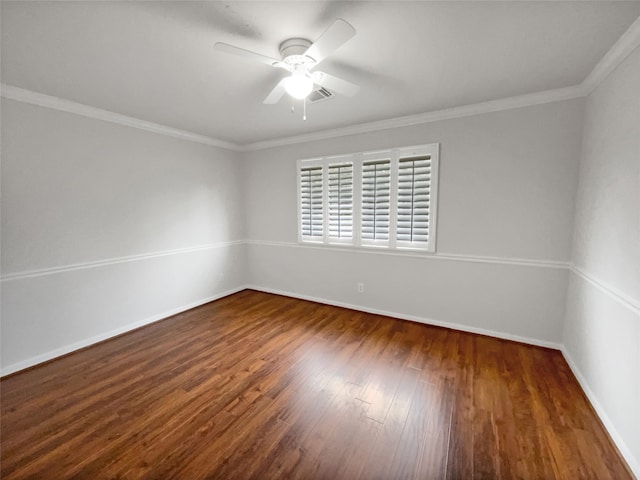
[(304, 108)]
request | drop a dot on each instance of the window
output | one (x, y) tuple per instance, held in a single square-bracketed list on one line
[(383, 199)]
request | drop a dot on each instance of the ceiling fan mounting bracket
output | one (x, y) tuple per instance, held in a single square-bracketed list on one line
[(292, 51)]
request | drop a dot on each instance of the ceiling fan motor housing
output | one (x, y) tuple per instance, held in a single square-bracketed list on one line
[(292, 51)]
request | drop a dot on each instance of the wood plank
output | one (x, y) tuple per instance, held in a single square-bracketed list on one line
[(258, 386)]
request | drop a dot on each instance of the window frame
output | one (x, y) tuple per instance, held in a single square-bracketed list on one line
[(358, 160)]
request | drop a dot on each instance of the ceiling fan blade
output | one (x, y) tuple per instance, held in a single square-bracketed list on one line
[(241, 52), (335, 84), (276, 94), (332, 39)]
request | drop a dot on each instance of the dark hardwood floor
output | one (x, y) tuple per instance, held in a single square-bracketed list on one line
[(262, 386)]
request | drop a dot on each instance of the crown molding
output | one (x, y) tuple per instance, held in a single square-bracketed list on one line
[(527, 100), (56, 103), (620, 50), (627, 43), (35, 98)]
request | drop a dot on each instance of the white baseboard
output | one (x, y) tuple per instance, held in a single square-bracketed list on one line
[(44, 357), (624, 450), (413, 318), (58, 352)]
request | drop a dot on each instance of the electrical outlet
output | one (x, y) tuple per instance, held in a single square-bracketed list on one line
[(360, 287)]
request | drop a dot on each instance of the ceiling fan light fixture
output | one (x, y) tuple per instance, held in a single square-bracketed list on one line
[(299, 57), (298, 85)]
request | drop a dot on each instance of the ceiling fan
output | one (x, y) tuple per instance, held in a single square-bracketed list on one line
[(299, 58)]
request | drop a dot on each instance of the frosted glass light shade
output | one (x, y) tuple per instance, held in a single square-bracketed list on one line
[(298, 86)]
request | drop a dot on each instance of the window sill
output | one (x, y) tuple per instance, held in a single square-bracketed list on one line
[(368, 248)]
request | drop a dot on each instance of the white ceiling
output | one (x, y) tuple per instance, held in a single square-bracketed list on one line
[(155, 60)]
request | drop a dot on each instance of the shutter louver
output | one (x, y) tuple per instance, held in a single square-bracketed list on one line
[(376, 182), (311, 202), (341, 201), (414, 190)]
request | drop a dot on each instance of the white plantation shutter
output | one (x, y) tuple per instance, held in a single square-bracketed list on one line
[(376, 193), (414, 190), (384, 198), (311, 203), (340, 201)]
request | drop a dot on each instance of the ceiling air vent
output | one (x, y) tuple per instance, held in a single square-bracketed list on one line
[(319, 95)]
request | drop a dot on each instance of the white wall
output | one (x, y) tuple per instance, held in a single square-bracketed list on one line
[(507, 186), (106, 227), (602, 327)]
